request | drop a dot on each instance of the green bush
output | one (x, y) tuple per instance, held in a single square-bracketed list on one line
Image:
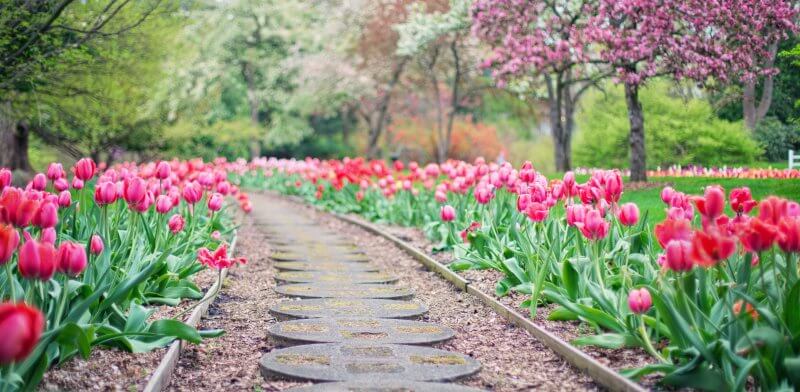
[(777, 138), (677, 131)]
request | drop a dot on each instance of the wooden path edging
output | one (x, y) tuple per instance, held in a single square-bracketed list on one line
[(161, 377)]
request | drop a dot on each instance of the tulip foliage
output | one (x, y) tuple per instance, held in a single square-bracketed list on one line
[(85, 258), (712, 297)]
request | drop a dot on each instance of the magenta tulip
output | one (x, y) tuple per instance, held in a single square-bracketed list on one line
[(71, 258), (176, 223), (21, 327), (215, 202), (39, 182), (5, 178), (163, 170), (37, 260), (628, 214), (85, 169), (64, 199), (46, 216), (678, 255), (447, 213), (55, 171), (640, 301), (96, 245)]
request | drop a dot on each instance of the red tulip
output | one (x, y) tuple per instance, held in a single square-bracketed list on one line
[(163, 170), (628, 214), (176, 223), (9, 240), (447, 213), (673, 229), (640, 301), (712, 203), (85, 169), (16, 208), (711, 246), (789, 235), (21, 327), (215, 202), (218, 259), (5, 178), (96, 245), (37, 260), (748, 308), (71, 258), (105, 193), (758, 235), (677, 256), (46, 216), (742, 201)]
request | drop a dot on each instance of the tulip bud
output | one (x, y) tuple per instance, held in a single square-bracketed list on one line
[(55, 171), (71, 258), (176, 223), (85, 169), (678, 255), (640, 301), (448, 213), (37, 260), (105, 193), (64, 199), (21, 327), (629, 214), (215, 202), (134, 191), (5, 178), (39, 182), (9, 240), (96, 245), (77, 183), (163, 204), (163, 170)]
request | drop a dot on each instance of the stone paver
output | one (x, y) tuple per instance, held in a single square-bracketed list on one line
[(326, 266), (338, 290), (386, 386), (331, 277), (367, 330), (329, 307)]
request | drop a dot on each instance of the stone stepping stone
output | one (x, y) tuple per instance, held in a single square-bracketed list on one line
[(325, 266), (329, 307), (317, 250), (322, 290), (383, 386), (367, 330), (366, 362), (334, 277), (296, 256)]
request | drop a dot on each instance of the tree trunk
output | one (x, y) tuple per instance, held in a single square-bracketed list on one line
[(252, 99), (376, 127), (14, 142), (752, 111), (561, 135), (636, 120)]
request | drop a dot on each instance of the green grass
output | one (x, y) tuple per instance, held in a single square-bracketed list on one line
[(649, 200)]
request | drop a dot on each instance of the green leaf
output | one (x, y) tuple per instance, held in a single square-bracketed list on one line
[(122, 291), (570, 279), (562, 314), (792, 366), (72, 336), (791, 310), (607, 340), (638, 373), (700, 377), (212, 333), (460, 265), (175, 328)]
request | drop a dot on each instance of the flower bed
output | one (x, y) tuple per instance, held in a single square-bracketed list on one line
[(711, 297), (85, 258)]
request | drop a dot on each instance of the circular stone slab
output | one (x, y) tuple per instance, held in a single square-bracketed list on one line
[(366, 362), (323, 290), (330, 257), (383, 386), (367, 330), (330, 307), (334, 277), (318, 249), (325, 266)]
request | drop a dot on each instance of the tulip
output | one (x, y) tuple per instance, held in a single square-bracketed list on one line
[(61, 184), (21, 327), (666, 194), (742, 200), (440, 196), (96, 245), (192, 192), (523, 201), (71, 258), (9, 240), (55, 171), (64, 199), (163, 204), (5, 178), (17, 208), (758, 235), (77, 183), (772, 209), (37, 260), (537, 212), (218, 259), (215, 202), (105, 193), (640, 301), (176, 223), (483, 194), (793, 209), (711, 246), (712, 203), (593, 226), (46, 216), (575, 213), (39, 182), (677, 256), (612, 190), (447, 213), (48, 235), (224, 187), (788, 235), (134, 191), (673, 229), (163, 170), (628, 214), (85, 169), (145, 204)]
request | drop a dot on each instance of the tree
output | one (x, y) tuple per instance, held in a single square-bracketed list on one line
[(36, 38), (695, 39), (544, 38)]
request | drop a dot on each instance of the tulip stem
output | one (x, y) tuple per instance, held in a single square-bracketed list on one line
[(61, 301), (648, 345), (11, 283)]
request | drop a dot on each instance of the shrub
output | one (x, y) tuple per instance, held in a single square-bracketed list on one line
[(777, 138), (678, 131)]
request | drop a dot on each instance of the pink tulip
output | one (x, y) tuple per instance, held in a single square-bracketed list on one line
[(537, 212), (575, 213), (85, 169), (224, 188), (39, 182), (77, 183), (64, 199), (613, 186), (46, 216), (61, 184), (192, 192), (678, 255), (447, 213), (21, 327), (629, 214), (163, 204), (9, 240), (55, 171), (215, 202), (163, 170), (176, 223), (96, 245), (37, 260), (135, 191), (71, 258), (712, 203), (105, 193), (640, 301), (5, 178), (48, 235), (666, 194), (216, 235), (593, 227)]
